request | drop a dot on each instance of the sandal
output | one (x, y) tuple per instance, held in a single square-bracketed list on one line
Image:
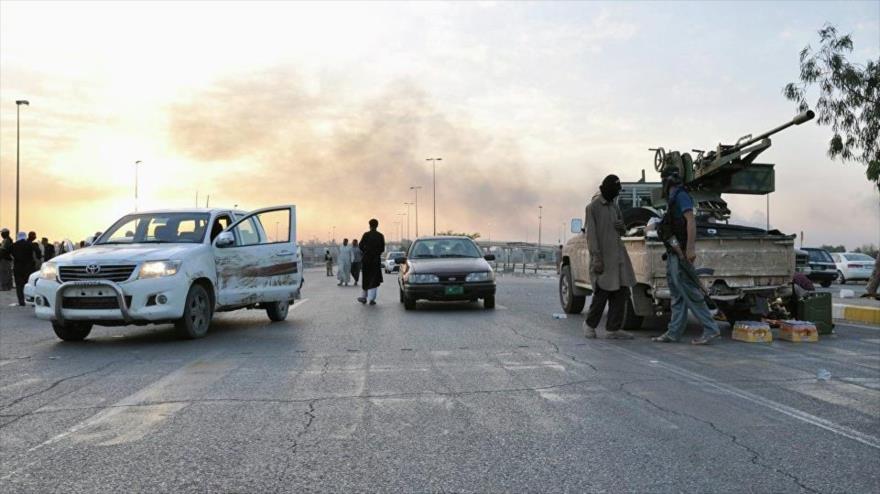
[(704, 340), (663, 338)]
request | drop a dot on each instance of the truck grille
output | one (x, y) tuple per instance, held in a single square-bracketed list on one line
[(92, 302), (117, 273)]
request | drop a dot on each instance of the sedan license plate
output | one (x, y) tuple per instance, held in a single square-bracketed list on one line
[(454, 290)]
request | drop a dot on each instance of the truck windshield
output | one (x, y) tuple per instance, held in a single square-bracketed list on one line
[(152, 228)]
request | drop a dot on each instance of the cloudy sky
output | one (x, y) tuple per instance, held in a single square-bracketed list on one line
[(335, 106)]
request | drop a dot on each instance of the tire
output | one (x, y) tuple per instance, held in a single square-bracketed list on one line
[(197, 314), (631, 321), (489, 302), (277, 311), (841, 278), (72, 331), (825, 284), (409, 303), (571, 303)]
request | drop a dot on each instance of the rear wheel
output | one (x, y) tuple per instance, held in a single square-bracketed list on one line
[(631, 320), (825, 284), (72, 331), (489, 301), (841, 278), (197, 313), (277, 311), (571, 303)]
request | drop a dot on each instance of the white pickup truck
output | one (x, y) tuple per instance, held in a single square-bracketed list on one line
[(175, 266)]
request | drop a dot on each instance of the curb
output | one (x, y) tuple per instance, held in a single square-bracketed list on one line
[(869, 315)]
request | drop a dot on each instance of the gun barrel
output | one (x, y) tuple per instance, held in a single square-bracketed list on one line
[(797, 120)]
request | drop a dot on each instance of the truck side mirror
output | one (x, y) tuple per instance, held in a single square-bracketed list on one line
[(225, 239), (577, 225)]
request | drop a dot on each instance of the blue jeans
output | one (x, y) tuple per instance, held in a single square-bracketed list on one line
[(686, 295)]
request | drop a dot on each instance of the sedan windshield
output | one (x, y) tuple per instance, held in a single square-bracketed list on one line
[(153, 228), (444, 247)]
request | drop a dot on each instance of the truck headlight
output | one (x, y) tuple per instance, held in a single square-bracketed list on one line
[(423, 278), (481, 276), (158, 269), (49, 271)]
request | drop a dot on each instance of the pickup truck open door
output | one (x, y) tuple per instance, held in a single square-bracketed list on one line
[(257, 259)]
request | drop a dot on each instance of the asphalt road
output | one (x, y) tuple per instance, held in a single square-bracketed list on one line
[(450, 398)]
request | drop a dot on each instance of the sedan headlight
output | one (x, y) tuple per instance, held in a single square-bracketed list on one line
[(49, 271), (481, 276), (423, 278), (158, 269)]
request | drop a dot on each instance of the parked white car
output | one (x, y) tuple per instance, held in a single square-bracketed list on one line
[(177, 266), (853, 266), (390, 262)]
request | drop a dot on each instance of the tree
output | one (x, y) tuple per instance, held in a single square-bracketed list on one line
[(834, 248), (849, 99), (869, 249)]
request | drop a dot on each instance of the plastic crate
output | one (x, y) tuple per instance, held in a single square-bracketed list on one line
[(752, 332)]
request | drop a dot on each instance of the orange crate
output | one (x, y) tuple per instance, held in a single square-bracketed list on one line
[(752, 332), (798, 331)]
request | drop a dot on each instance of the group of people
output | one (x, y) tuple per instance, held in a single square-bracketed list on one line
[(21, 257), (612, 274), (360, 259)]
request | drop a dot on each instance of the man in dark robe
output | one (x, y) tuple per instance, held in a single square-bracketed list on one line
[(372, 245), (23, 264)]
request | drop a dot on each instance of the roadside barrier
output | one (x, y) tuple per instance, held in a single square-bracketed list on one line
[(856, 313)]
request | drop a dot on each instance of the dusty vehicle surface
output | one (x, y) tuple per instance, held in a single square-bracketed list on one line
[(174, 266), (744, 269)]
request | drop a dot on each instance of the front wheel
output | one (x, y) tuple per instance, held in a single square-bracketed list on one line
[(72, 331), (489, 302), (277, 311), (571, 303), (409, 303), (197, 314)]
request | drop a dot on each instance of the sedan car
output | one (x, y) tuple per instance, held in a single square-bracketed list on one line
[(822, 267), (446, 268), (853, 266), (390, 263)]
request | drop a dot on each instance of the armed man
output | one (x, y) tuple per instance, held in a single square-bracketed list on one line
[(611, 271), (679, 233)]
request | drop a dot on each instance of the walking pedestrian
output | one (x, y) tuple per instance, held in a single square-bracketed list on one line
[(679, 233), (372, 245), (5, 260), (328, 261), (356, 258), (343, 270), (23, 264), (48, 249), (611, 271)]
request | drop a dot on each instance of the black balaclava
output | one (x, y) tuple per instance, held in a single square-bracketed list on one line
[(610, 187)]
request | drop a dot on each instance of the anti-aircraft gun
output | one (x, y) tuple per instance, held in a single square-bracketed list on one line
[(729, 169)]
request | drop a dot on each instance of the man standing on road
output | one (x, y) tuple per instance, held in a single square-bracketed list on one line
[(343, 270), (372, 245), (356, 257), (680, 276), (5, 261), (38, 252), (328, 261), (24, 263), (874, 281), (48, 250), (611, 271)]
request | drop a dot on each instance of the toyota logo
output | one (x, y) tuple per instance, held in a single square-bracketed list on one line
[(93, 269)]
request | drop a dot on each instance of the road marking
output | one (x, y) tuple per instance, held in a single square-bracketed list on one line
[(792, 412), (299, 304)]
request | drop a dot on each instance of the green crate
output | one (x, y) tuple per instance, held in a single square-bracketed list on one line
[(816, 308)]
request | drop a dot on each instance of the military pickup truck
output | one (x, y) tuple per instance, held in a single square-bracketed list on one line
[(749, 267)]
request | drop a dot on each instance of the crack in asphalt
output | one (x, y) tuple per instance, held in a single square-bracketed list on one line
[(294, 448), (54, 385), (756, 457), (534, 338)]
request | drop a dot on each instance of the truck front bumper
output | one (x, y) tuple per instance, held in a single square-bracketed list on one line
[(103, 301)]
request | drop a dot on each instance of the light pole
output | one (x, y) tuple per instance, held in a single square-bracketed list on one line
[(415, 188), (136, 163), (540, 218), (434, 174), (407, 204), (18, 104)]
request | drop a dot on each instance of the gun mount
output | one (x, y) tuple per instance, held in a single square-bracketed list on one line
[(729, 169)]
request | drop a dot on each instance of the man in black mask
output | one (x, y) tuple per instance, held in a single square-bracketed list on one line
[(611, 271)]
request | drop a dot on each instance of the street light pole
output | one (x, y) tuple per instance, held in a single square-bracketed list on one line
[(136, 163), (540, 218), (407, 204), (434, 174), (415, 188), (18, 104)]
